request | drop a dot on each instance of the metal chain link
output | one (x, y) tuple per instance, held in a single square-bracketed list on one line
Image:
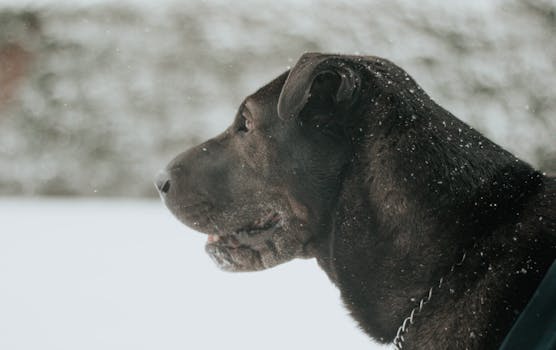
[(399, 339)]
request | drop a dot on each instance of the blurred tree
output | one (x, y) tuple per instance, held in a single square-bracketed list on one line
[(113, 92)]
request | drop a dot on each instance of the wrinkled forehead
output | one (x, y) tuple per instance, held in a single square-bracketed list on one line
[(267, 96)]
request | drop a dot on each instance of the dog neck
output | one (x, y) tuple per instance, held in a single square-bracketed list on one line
[(418, 309), (399, 229)]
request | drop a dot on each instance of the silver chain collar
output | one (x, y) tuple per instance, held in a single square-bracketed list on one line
[(399, 339)]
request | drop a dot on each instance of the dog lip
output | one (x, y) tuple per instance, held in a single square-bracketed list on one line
[(247, 236), (265, 223), (268, 222), (212, 238), (241, 258), (223, 241)]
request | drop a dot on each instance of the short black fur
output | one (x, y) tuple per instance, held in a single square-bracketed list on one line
[(387, 190)]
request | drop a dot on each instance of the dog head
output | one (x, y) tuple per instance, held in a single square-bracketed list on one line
[(264, 190)]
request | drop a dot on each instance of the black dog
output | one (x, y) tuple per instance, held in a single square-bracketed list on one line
[(413, 214)]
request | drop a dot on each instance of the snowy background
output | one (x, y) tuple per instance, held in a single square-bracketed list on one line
[(120, 274), (95, 97), (111, 93)]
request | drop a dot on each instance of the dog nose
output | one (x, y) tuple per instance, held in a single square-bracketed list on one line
[(162, 182)]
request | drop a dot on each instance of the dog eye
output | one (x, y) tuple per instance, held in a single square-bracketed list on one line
[(245, 123)]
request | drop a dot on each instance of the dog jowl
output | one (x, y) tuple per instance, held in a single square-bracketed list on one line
[(347, 160)]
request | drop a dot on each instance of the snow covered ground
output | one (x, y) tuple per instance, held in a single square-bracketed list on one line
[(115, 274)]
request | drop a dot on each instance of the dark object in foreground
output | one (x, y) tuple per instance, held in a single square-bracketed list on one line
[(346, 159), (536, 326)]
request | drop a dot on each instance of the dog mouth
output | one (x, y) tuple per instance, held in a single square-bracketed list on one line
[(248, 232), (239, 250)]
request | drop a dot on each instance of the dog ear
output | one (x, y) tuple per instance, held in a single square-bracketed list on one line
[(328, 79)]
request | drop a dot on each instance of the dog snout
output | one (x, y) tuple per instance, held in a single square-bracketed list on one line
[(162, 182)]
